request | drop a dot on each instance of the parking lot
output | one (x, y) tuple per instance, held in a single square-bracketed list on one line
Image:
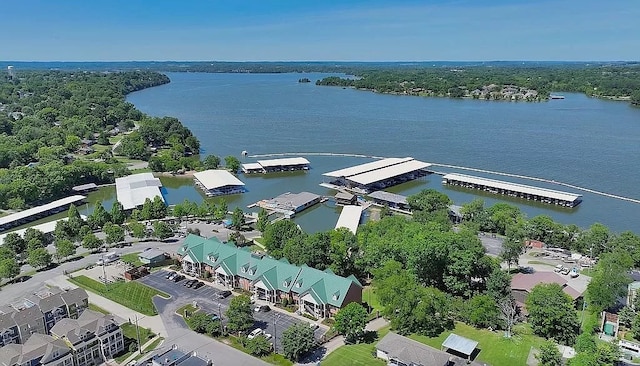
[(273, 322)]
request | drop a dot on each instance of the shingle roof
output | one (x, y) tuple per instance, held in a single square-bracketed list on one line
[(527, 281), (90, 323), (410, 351), (75, 296), (37, 346)]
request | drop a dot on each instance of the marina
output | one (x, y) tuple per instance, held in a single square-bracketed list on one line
[(218, 182), (391, 200), (32, 214), (522, 191), (133, 190), (378, 174), (276, 165), (288, 204)]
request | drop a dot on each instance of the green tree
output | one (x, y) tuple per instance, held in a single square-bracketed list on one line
[(158, 208), (117, 213), (549, 355), (511, 251), (74, 220), (258, 346), (162, 230), (595, 240), (9, 268), (483, 312), (239, 314), (200, 321), (551, 313), (39, 258), (350, 321), (278, 233), (626, 316), (429, 200), (232, 164), (35, 238), (63, 230), (499, 284), (211, 162), (137, 230), (114, 233), (15, 242), (237, 219), (91, 241), (221, 210), (98, 217), (297, 340), (263, 220), (610, 280), (64, 248)]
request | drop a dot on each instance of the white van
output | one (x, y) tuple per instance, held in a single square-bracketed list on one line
[(108, 258)]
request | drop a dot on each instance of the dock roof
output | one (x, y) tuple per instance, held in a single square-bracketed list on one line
[(217, 178), (283, 161), (389, 172), (389, 197), (133, 190), (544, 192), (251, 166), (47, 227), (294, 200), (350, 217), (367, 167), (40, 209)]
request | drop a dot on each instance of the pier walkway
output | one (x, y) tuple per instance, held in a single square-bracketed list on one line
[(537, 179)]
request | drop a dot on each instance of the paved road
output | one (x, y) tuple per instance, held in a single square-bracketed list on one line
[(492, 244), (207, 299), (11, 292)]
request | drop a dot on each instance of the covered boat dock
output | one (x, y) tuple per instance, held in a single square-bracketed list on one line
[(133, 190), (276, 165), (522, 191), (391, 200), (218, 182), (378, 174), (290, 203), (350, 218), (32, 214)]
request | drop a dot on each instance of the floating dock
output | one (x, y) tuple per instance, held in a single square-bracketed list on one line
[(289, 204), (218, 182), (276, 165), (377, 174), (522, 191)]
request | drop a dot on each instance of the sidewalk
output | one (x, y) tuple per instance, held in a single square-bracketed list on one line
[(125, 314), (135, 354)]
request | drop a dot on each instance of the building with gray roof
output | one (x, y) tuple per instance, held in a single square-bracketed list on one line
[(291, 203), (9, 332), (93, 336), (40, 349), (399, 350), (133, 190)]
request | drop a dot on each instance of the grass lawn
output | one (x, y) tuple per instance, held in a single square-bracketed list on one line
[(362, 354), (370, 297), (188, 308), (494, 348), (95, 307), (132, 258), (129, 331), (273, 358), (133, 295), (153, 345)]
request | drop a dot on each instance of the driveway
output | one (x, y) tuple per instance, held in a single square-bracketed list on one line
[(273, 322)]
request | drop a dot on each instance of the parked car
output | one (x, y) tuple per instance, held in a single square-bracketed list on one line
[(263, 308), (214, 317), (197, 285), (254, 333), (171, 275), (178, 278), (574, 272), (565, 271), (223, 294), (190, 283), (267, 336), (558, 268)]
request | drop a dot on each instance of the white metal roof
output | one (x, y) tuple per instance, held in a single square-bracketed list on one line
[(367, 167), (283, 161), (350, 218), (251, 166), (217, 178), (544, 192), (389, 172), (47, 227), (133, 190), (460, 344), (40, 209)]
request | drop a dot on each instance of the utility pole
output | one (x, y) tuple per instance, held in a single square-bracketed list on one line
[(104, 272), (275, 333), (220, 316), (138, 335)]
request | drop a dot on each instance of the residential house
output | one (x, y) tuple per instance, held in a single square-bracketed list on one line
[(320, 293), (93, 337), (9, 332), (38, 350), (399, 350), (523, 283)]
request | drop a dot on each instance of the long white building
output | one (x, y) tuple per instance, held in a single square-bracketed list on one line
[(133, 190)]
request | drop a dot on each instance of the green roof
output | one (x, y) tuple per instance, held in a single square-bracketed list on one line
[(324, 286)]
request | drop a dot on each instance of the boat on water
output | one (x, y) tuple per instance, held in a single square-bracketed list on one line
[(556, 96)]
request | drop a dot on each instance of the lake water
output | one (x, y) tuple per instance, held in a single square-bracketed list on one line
[(587, 142)]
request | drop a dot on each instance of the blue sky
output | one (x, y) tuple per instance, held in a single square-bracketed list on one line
[(357, 30)]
